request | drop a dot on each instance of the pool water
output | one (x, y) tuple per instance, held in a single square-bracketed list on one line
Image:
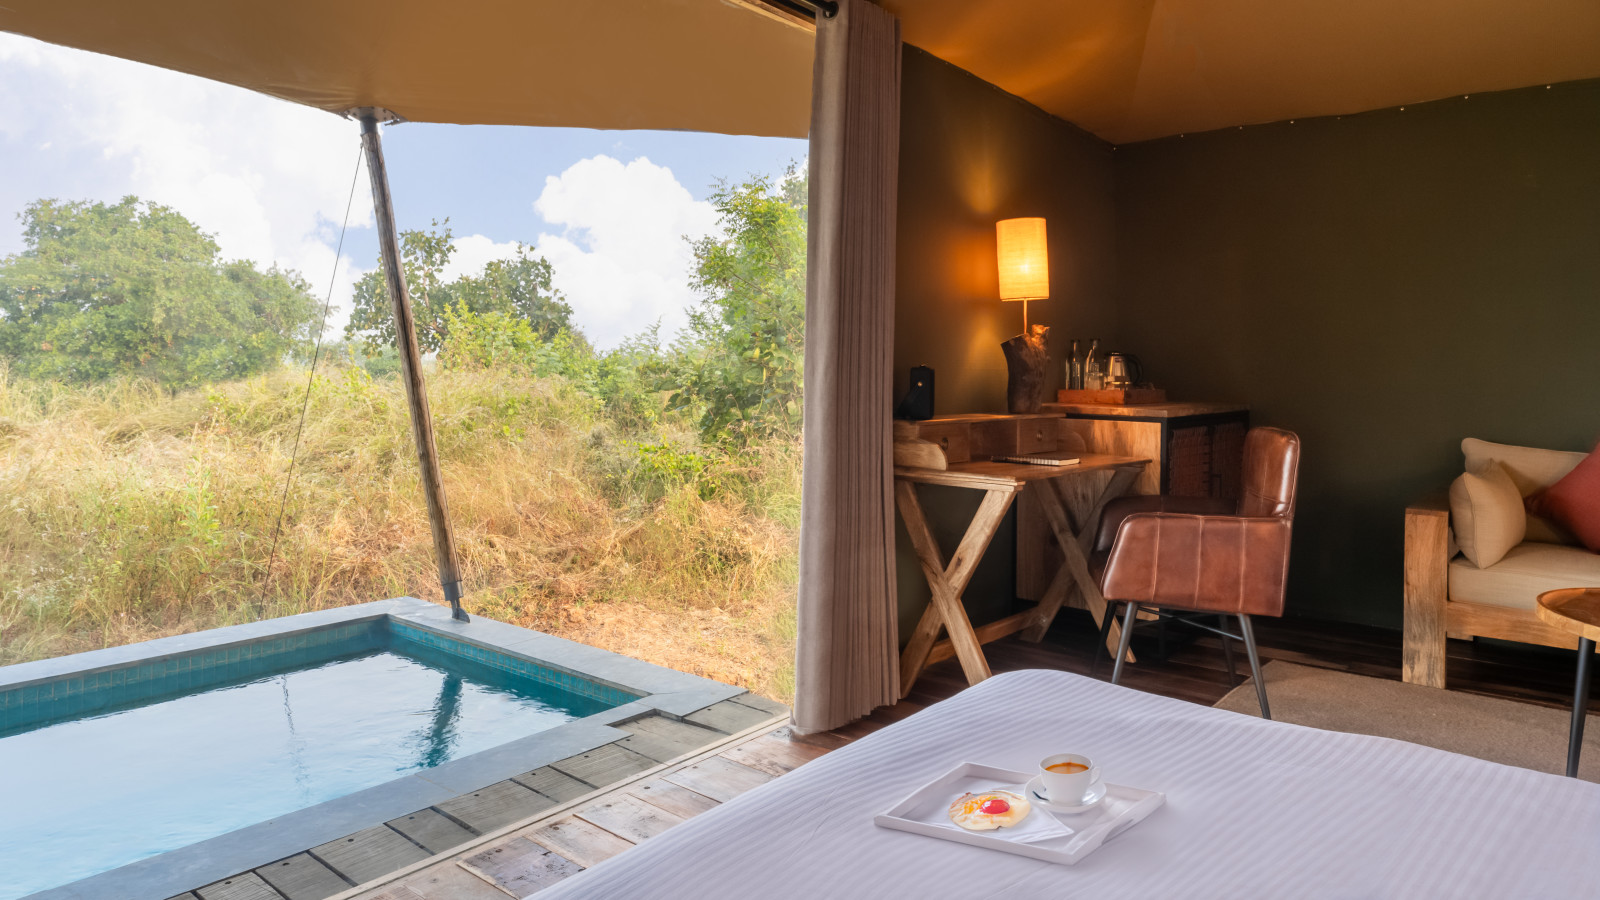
[(88, 794)]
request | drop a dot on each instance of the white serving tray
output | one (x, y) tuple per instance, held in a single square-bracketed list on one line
[(1121, 808)]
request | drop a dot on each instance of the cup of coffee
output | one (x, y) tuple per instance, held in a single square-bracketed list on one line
[(1067, 777)]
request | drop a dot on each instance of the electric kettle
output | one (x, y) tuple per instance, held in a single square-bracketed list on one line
[(1123, 370)]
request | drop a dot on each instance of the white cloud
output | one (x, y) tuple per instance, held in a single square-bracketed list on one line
[(468, 255), (268, 178), (621, 258)]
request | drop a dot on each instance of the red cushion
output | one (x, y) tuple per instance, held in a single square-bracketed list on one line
[(1574, 501)]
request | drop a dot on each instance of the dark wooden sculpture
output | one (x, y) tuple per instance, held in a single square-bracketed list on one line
[(1027, 360)]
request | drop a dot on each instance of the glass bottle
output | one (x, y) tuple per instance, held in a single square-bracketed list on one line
[(1093, 375), (1074, 370)]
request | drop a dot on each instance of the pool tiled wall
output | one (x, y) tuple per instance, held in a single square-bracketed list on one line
[(86, 693), (402, 633), (76, 695)]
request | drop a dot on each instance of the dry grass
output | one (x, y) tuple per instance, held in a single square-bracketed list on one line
[(128, 514)]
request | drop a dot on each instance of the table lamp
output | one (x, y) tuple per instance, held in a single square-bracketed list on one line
[(1024, 260)]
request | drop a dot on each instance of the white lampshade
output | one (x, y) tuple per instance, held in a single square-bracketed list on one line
[(1024, 259)]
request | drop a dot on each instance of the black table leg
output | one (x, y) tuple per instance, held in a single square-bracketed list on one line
[(1580, 706)]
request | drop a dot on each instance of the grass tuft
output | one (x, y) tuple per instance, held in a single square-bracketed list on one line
[(130, 514)]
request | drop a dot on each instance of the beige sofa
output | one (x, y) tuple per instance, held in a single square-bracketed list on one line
[(1447, 595)]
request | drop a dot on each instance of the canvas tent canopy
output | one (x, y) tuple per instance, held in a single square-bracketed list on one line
[(700, 65), (1126, 70)]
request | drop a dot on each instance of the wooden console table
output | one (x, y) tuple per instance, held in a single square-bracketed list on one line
[(1197, 451), (1000, 483)]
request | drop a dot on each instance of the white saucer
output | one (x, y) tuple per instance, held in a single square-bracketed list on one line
[(1035, 792)]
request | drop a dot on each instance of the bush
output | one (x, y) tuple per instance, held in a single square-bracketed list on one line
[(131, 513)]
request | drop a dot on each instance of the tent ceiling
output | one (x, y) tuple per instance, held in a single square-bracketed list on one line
[(1128, 70), (702, 65)]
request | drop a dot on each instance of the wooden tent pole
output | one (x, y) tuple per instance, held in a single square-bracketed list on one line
[(444, 540)]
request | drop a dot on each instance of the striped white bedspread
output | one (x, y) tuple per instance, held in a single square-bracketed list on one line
[(1254, 809)]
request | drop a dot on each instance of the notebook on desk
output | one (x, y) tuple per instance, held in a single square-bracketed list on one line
[(1051, 458)]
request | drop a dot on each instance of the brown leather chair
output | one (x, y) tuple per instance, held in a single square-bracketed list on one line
[(1181, 556)]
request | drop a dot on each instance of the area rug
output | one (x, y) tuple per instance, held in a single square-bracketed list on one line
[(1503, 731)]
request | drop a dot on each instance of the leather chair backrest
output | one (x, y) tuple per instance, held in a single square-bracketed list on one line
[(1271, 470)]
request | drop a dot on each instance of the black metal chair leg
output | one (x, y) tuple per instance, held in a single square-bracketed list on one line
[(1580, 706), (1128, 619), (1106, 619), (1255, 664), (1227, 651)]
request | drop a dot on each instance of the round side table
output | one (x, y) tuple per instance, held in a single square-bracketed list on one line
[(1575, 611)]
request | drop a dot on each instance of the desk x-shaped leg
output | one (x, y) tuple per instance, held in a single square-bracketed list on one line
[(947, 582), (1076, 545)]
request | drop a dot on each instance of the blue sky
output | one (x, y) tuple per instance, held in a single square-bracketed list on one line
[(610, 209)]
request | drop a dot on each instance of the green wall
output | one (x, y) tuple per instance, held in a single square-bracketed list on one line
[(1385, 284), (970, 155)]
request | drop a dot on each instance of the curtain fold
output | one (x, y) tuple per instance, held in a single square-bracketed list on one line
[(846, 658)]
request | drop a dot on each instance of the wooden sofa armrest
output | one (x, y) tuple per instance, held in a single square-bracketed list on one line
[(1427, 590), (1436, 504)]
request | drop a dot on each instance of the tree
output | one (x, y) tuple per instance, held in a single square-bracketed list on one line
[(743, 351), (135, 288), (519, 287)]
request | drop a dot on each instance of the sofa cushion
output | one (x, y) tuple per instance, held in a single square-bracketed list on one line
[(1574, 502), (1532, 470), (1486, 514), (1523, 574)]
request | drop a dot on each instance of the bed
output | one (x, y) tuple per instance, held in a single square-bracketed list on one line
[(1254, 809)]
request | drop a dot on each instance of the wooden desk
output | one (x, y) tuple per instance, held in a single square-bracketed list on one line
[(1000, 483)]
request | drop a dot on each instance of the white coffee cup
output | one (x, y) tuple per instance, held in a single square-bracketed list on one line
[(1068, 788)]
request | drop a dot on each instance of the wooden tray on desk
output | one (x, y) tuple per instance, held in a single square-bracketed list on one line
[(1114, 397)]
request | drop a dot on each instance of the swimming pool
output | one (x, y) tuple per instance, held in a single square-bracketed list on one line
[(106, 766)]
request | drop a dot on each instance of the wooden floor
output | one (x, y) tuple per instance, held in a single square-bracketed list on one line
[(1192, 668), (543, 852)]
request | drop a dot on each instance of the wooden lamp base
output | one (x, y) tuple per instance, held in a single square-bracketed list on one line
[(1027, 364)]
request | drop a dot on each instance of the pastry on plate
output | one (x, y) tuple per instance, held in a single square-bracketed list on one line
[(989, 810)]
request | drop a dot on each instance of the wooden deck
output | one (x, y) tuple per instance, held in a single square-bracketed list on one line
[(654, 744), (522, 860)]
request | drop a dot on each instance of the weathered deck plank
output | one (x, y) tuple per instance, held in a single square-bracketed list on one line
[(774, 757), (718, 778), (248, 886), (657, 748), (556, 785), (629, 817), (756, 701), (604, 765), (443, 881), (498, 804), (519, 866), (684, 733), (300, 877), (435, 832), (680, 801), (368, 854), (577, 840), (402, 892), (729, 717)]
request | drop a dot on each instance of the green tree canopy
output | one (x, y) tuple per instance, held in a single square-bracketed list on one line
[(518, 288), (742, 354), (135, 288)]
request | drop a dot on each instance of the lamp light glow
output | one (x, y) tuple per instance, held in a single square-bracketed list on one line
[(1024, 259)]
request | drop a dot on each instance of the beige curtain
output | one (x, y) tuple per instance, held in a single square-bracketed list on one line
[(847, 656)]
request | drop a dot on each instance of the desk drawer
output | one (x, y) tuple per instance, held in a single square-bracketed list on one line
[(953, 439), (1038, 435)]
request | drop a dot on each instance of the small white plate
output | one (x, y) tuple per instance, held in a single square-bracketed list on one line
[(1097, 792)]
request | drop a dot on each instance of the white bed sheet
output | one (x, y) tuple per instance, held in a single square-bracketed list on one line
[(1254, 809)]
